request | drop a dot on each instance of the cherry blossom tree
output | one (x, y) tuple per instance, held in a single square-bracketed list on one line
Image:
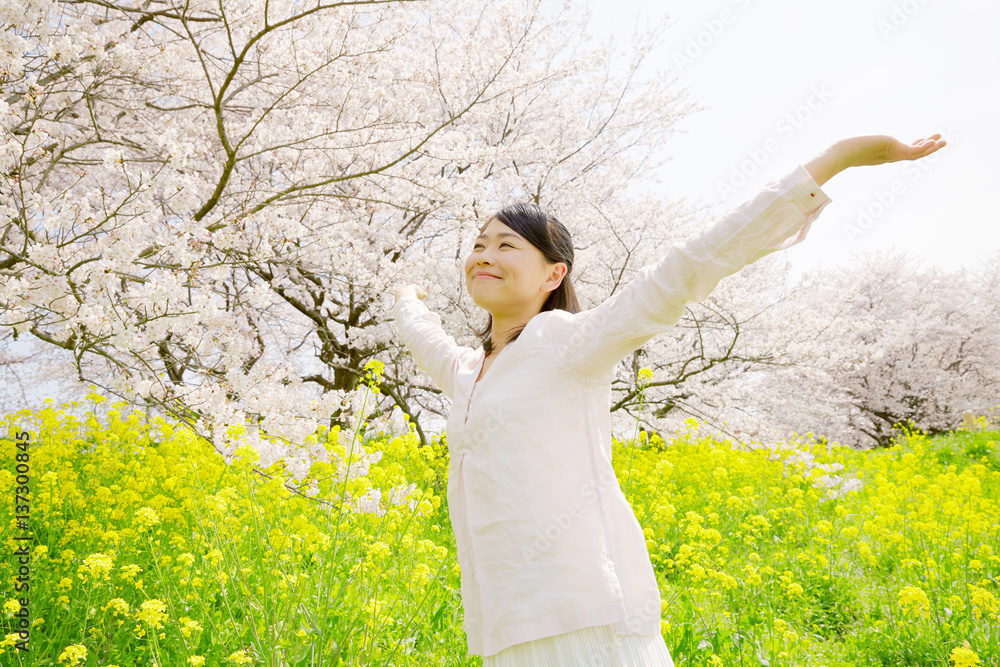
[(206, 203), (894, 341)]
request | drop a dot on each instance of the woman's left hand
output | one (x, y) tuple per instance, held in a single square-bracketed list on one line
[(881, 149)]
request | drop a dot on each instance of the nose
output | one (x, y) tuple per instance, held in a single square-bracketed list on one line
[(482, 261)]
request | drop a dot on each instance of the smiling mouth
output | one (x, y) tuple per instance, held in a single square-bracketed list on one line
[(483, 275)]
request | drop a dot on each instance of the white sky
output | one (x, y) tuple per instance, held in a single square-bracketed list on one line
[(908, 69)]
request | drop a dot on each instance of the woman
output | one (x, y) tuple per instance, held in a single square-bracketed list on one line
[(554, 564)]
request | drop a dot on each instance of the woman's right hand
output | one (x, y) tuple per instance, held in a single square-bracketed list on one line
[(410, 289)]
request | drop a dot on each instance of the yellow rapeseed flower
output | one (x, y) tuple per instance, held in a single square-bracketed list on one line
[(73, 654), (129, 571), (152, 613), (246, 454), (914, 599), (983, 601), (375, 369), (189, 625), (96, 565), (379, 549), (421, 574), (240, 657), (964, 657), (147, 517), (117, 606)]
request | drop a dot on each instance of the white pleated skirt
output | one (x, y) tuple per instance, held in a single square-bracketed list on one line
[(597, 646)]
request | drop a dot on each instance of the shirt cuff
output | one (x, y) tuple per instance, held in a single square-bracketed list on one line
[(808, 196), (399, 302)]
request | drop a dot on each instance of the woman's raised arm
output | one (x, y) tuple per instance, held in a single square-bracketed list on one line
[(776, 218), (432, 348), (871, 149)]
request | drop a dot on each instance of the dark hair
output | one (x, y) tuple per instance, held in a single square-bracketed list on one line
[(552, 238)]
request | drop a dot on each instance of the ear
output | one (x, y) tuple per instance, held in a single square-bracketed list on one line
[(555, 276)]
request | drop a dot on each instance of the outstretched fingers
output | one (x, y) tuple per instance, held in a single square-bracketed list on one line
[(929, 145)]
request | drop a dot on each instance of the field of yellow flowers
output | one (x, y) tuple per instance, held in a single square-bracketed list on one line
[(149, 549)]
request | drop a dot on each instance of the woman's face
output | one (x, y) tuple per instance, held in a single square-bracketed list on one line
[(517, 278)]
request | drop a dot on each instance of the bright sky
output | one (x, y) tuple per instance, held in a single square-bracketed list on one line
[(783, 79)]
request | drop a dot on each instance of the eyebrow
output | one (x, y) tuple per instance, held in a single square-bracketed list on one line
[(483, 236)]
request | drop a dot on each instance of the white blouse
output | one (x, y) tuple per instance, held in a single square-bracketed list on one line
[(547, 542)]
